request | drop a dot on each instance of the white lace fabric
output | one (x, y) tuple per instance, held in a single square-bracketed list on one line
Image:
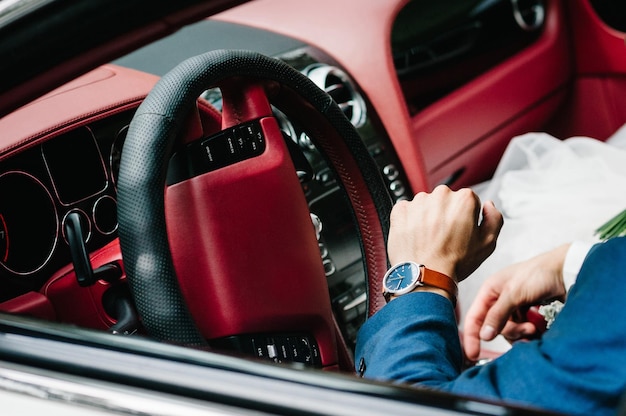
[(550, 192)]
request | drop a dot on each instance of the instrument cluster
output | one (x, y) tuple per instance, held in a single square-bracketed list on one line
[(71, 173)]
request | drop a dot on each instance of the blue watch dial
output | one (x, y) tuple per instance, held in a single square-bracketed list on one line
[(402, 278)]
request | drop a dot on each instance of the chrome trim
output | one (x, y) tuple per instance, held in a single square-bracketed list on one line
[(317, 225), (93, 215), (536, 10), (285, 125), (116, 152), (320, 74), (12, 10), (85, 396), (56, 226), (329, 267), (356, 302), (102, 162), (84, 215)]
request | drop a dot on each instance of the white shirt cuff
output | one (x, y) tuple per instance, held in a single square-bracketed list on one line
[(573, 262)]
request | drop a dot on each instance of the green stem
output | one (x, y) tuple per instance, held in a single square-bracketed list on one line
[(614, 227)]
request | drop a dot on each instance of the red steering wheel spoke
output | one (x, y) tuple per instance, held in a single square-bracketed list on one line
[(244, 248), (243, 100)]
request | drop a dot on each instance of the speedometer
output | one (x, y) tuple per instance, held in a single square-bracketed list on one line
[(4, 240), (116, 153), (28, 223)]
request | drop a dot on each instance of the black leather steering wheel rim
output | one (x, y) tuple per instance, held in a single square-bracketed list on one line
[(148, 147)]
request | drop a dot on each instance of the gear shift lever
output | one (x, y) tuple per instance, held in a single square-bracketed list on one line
[(119, 304)]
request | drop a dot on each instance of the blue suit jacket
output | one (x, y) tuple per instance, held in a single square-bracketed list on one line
[(577, 367)]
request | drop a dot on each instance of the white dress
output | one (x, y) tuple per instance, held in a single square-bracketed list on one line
[(550, 192)]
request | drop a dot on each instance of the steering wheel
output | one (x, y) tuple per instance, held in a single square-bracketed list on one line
[(216, 235)]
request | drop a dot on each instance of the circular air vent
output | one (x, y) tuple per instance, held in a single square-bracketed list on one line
[(529, 14), (341, 88)]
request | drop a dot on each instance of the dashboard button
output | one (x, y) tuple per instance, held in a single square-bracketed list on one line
[(391, 172), (397, 188)]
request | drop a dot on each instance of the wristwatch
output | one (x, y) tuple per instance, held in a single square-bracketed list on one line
[(404, 277)]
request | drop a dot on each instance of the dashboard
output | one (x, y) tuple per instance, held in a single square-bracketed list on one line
[(47, 183), (74, 171), (66, 168)]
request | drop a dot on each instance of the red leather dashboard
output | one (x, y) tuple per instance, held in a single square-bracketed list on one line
[(464, 133), (117, 89)]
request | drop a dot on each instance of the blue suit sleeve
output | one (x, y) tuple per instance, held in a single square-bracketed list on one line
[(578, 367), (413, 339)]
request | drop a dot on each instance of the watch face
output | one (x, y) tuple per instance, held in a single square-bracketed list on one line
[(402, 278)]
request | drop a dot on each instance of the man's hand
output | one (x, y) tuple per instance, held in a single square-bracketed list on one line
[(521, 284), (441, 230)]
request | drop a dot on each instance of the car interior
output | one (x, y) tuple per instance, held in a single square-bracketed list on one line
[(251, 218)]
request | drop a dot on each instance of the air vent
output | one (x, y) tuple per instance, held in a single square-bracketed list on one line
[(529, 14), (341, 88)]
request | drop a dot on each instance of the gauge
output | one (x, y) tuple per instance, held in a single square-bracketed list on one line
[(116, 153), (105, 215), (75, 154), (4, 240), (28, 223)]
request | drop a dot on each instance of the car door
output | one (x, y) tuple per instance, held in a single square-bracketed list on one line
[(594, 105)]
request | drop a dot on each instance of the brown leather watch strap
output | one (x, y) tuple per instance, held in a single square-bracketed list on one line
[(433, 278)]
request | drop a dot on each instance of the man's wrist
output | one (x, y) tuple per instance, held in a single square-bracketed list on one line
[(408, 277)]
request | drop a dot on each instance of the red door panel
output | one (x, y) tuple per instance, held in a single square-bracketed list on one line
[(470, 127), (595, 106)]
